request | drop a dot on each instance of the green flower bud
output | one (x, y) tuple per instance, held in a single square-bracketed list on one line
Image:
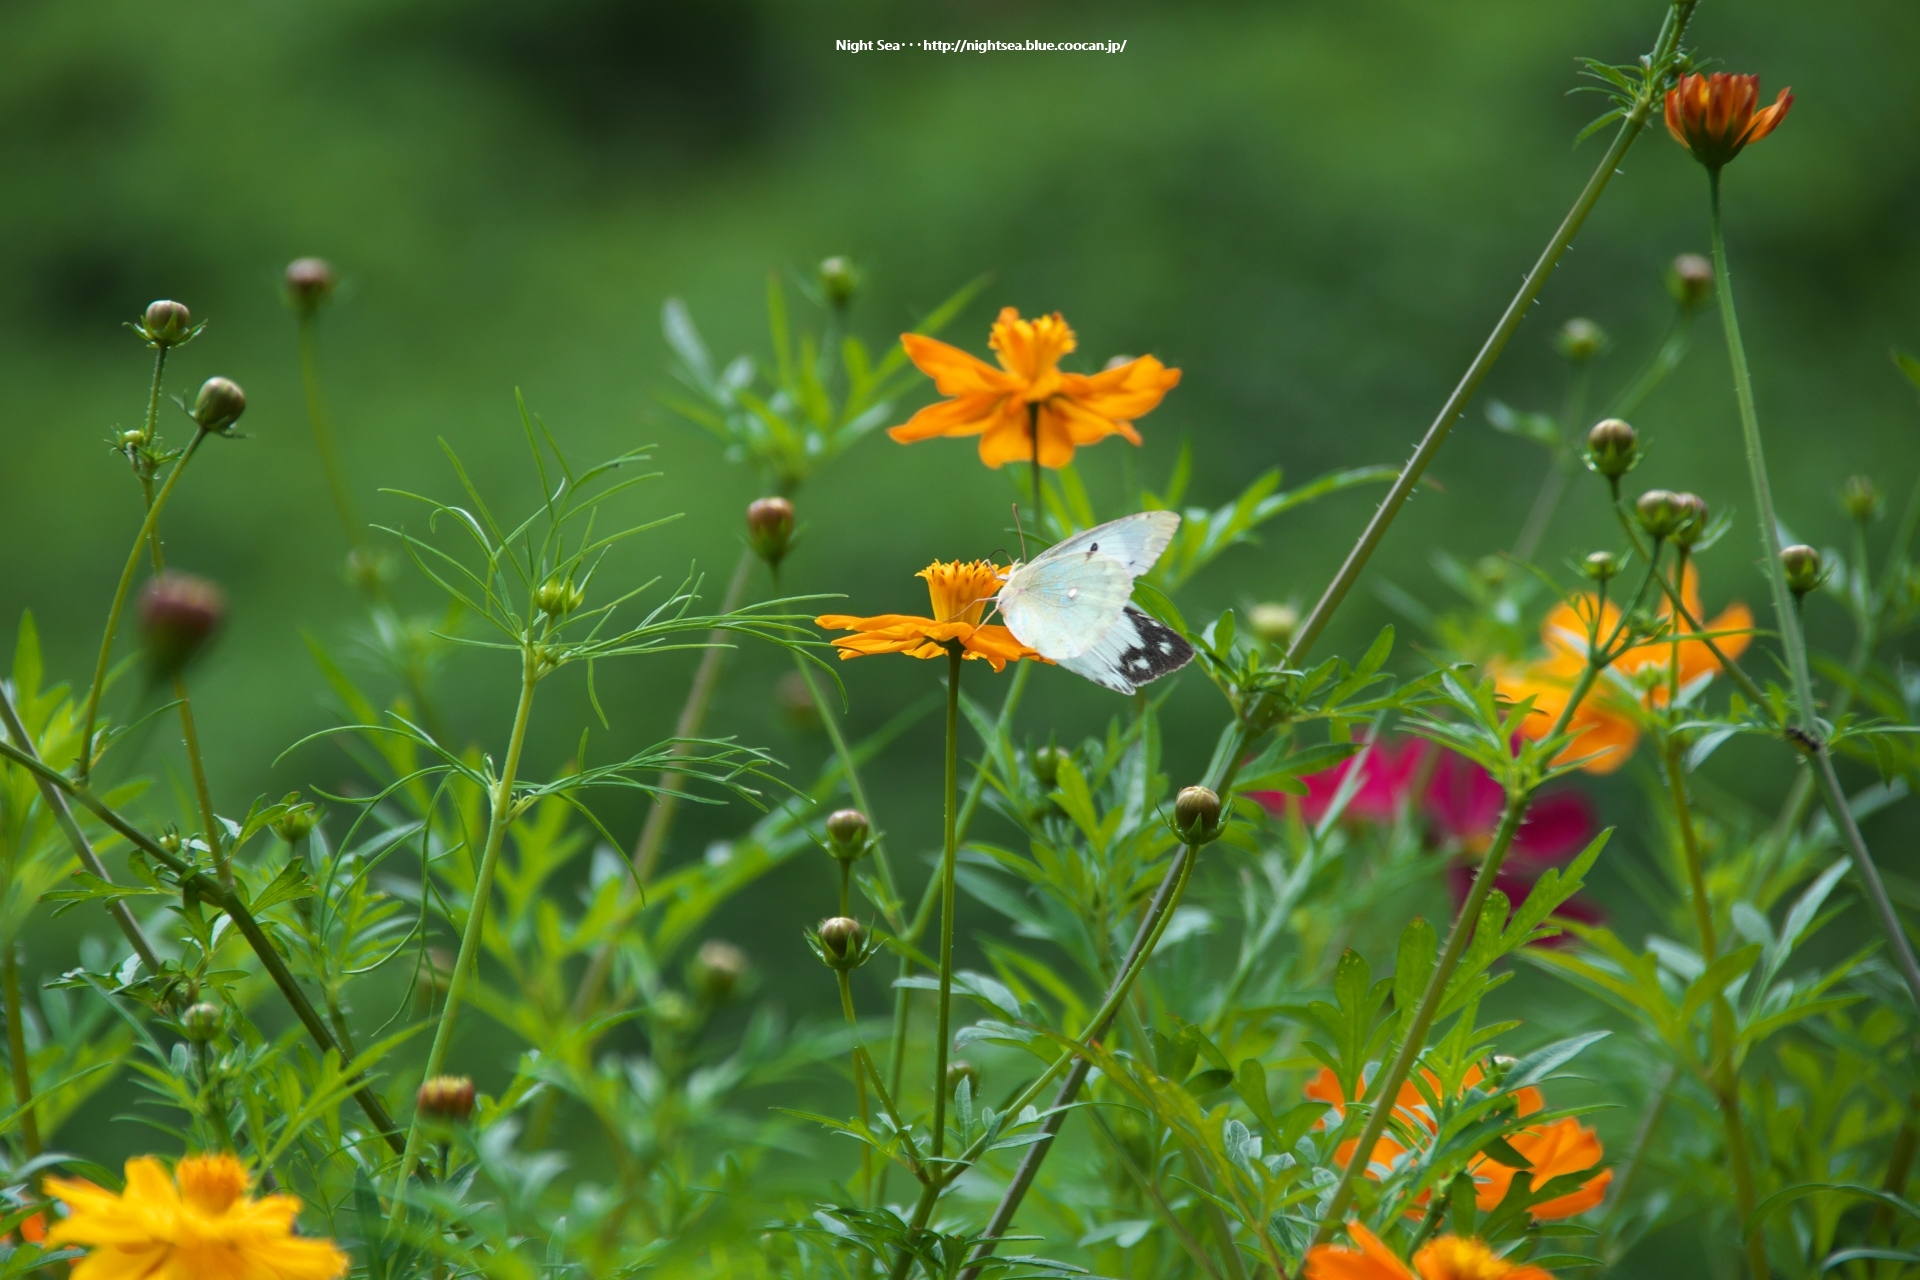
[(1660, 513), (557, 599), (716, 971), (1580, 340), (201, 1022), (770, 528), (960, 1069), (1693, 520), (1613, 448), (1046, 762), (838, 280), (1274, 624), (219, 404), (1804, 570), (166, 324), (1196, 815), (309, 283), (848, 833), (1600, 565), (1860, 499), (297, 823), (178, 615), (1690, 281), (842, 942), (446, 1098)]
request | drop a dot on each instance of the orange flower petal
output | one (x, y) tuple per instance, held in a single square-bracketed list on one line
[(954, 372), (1371, 1261), (966, 416)]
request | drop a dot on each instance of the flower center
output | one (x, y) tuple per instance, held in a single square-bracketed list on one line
[(960, 589), (211, 1184)]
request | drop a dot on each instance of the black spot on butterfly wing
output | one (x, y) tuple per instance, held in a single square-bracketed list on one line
[(1158, 650)]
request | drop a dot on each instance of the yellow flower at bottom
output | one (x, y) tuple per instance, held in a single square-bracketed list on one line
[(1446, 1258), (197, 1225), (960, 590)]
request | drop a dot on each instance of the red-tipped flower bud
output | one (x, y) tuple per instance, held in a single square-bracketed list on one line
[(1196, 814), (847, 835), (219, 404), (770, 528), (843, 942), (1690, 281), (1804, 570), (1660, 512), (1613, 448), (166, 323), (1692, 525), (178, 615), (446, 1098), (201, 1022), (1580, 340), (310, 282), (1860, 499), (838, 280), (717, 970)]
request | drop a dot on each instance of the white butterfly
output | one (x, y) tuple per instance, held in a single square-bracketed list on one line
[(1071, 604)]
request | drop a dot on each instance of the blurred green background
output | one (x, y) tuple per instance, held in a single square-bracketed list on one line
[(1316, 211)]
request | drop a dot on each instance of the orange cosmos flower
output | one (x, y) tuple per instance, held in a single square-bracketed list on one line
[(1444, 1258), (1714, 117), (198, 1224), (1565, 1146), (1028, 396), (1602, 725), (960, 592)]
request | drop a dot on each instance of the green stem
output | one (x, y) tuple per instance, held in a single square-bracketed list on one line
[(1547, 501), (500, 816), (855, 788), (1785, 615), (323, 432), (859, 1076), (1630, 126), (84, 766), (1387, 1088), (17, 1047), (949, 853)]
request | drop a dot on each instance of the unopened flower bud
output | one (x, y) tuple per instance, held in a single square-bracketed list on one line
[(1660, 512), (170, 843), (369, 570), (794, 701), (1196, 814), (1046, 763), (200, 1022), (1613, 447), (178, 615), (1600, 565), (446, 1098), (166, 323), (309, 282), (1690, 280), (219, 404), (842, 941), (1804, 571), (557, 598), (717, 970), (1274, 624), (297, 823), (838, 280), (960, 1069), (847, 832), (770, 528), (1860, 498), (1693, 520), (1580, 340)]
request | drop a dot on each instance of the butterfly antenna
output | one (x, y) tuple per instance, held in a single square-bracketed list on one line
[(1022, 532)]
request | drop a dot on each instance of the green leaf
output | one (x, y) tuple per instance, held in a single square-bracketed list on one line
[(1413, 963)]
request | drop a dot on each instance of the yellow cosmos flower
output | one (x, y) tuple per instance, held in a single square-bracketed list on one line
[(1027, 400), (1445, 1258), (197, 1225), (960, 591)]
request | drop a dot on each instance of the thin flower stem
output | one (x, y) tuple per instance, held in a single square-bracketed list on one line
[(1636, 1152), (210, 890), (1415, 1040), (56, 801), (500, 816), (17, 1048), (84, 766), (1141, 1179), (1785, 615), (323, 431), (949, 852), (855, 788), (1560, 463), (1631, 124), (859, 1076)]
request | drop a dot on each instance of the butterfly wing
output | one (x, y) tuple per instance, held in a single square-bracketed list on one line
[(1069, 596), (1136, 649)]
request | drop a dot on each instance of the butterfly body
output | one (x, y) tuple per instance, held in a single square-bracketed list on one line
[(1071, 603)]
